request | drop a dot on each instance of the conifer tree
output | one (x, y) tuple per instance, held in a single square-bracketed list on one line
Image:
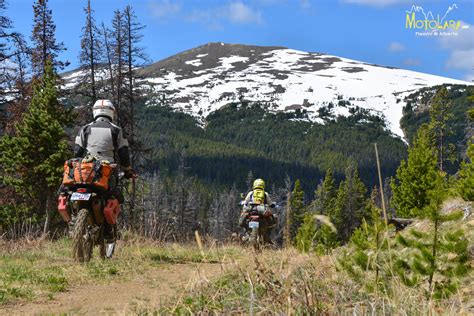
[(118, 45), (324, 195), (297, 208), (5, 54), (349, 204), (32, 159), (45, 47), (5, 25), (20, 91), (466, 173), (367, 257), (90, 55), (316, 235), (13, 73), (415, 177), (439, 126), (249, 180), (438, 257), (106, 35), (134, 56)]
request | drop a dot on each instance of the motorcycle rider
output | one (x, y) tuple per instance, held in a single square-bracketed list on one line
[(258, 195), (104, 140)]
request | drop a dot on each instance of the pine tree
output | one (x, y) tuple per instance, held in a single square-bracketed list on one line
[(32, 159), (5, 25), (106, 35), (415, 177), (350, 202), (5, 54), (45, 47), (90, 55), (118, 49), (466, 173), (316, 234), (249, 180), (367, 255), (134, 56), (440, 127), (438, 257), (297, 208), (15, 89), (12, 50), (324, 195)]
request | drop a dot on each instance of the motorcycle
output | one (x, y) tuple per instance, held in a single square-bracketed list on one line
[(89, 212), (258, 223)]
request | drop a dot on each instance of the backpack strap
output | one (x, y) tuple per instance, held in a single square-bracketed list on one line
[(97, 170), (70, 164), (86, 132)]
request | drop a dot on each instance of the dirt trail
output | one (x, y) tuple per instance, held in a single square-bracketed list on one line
[(159, 285)]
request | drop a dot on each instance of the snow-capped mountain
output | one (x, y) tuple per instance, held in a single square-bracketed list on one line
[(202, 80)]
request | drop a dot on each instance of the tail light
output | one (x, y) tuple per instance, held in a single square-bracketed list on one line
[(62, 208), (81, 190)]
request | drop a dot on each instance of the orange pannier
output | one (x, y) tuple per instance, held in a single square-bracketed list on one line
[(95, 173)]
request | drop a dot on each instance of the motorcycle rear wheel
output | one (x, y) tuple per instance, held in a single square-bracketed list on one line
[(255, 238), (82, 244)]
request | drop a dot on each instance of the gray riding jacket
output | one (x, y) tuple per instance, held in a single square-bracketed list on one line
[(103, 139)]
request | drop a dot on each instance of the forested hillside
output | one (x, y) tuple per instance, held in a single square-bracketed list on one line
[(341, 237), (244, 137), (417, 112)]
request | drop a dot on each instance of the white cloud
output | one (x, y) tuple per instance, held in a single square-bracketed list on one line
[(463, 41), (462, 50), (377, 3), (235, 12), (164, 8), (396, 47), (238, 12), (412, 62), (461, 59)]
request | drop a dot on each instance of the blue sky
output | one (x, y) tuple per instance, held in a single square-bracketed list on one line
[(367, 30)]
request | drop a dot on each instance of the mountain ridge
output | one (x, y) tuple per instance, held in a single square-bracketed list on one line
[(205, 78)]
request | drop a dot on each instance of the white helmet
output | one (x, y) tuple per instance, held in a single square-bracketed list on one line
[(104, 108)]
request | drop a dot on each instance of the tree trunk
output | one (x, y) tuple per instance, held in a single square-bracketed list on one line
[(91, 48), (48, 206), (287, 232)]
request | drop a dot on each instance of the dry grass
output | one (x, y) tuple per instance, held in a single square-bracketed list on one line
[(271, 282), (38, 268), (285, 281)]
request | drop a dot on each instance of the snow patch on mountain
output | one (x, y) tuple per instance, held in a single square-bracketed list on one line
[(204, 79)]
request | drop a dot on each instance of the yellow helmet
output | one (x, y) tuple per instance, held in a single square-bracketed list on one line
[(259, 184)]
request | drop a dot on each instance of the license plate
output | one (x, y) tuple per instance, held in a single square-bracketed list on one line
[(254, 224), (76, 196)]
